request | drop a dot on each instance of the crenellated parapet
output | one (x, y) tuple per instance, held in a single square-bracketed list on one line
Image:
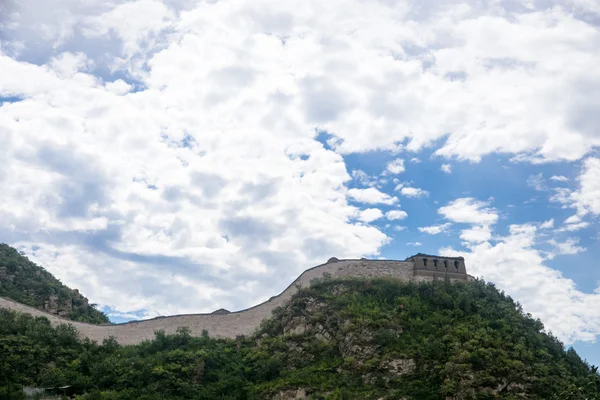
[(427, 265)]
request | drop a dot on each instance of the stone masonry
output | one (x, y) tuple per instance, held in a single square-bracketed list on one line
[(244, 322)]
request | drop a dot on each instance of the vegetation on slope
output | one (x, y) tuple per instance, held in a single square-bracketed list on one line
[(350, 339), (23, 281)]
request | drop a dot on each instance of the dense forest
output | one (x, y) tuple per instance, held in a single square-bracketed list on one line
[(338, 339), (23, 281)]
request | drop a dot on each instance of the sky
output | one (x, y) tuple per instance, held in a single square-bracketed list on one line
[(181, 156)]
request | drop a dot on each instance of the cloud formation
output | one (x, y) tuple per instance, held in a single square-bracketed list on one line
[(469, 211), (408, 191), (435, 229), (395, 215), (371, 196), (396, 166)]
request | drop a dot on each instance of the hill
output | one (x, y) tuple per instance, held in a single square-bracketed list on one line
[(23, 281), (337, 339)]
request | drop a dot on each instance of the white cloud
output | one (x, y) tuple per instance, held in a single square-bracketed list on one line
[(573, 227), (587, 197), (476, 234), (570, 246), (469, 211), (118, 87), (396, 166), (371, 196), (414, 244), (547, 224), (370, 215), (447, 168), (363, 178), (395, 215), (413, 192), (537, 182), (375, 101), (124, 22), (415, 160), (434, 229), (559, 178)]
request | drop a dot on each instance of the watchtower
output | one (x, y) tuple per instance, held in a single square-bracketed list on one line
[(439, 267)]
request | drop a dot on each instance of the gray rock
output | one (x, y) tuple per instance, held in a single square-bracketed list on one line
[(291, 394)]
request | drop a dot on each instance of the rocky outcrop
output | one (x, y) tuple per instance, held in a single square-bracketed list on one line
[(51, 305), (4, 276), (399, 366), (64, 308), (291, 394)]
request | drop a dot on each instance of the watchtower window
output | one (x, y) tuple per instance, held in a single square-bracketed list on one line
[(456, 264), (446, 264), (435, 263), (425, 262)]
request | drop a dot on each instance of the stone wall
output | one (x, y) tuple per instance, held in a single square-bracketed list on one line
[(436, 265), (242, 322)]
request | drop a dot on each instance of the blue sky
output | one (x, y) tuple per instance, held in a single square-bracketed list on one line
[(183, 156)]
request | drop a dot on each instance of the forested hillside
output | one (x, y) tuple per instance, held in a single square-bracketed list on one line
[(338, 339), (23, 281)]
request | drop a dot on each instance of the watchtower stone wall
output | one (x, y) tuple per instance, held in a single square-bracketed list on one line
[(426, 265), (245, 322)]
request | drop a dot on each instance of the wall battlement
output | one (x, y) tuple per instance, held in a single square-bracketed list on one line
[(420, 267)]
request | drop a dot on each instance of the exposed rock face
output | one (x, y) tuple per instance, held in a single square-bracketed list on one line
[(358, 344), (51, 305), (399, 367), (296, 326), (291, 394), (67, 308), (81, 299), (4, 274), (63, 308)]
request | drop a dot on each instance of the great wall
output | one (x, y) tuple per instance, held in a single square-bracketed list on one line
[(223, 324)]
